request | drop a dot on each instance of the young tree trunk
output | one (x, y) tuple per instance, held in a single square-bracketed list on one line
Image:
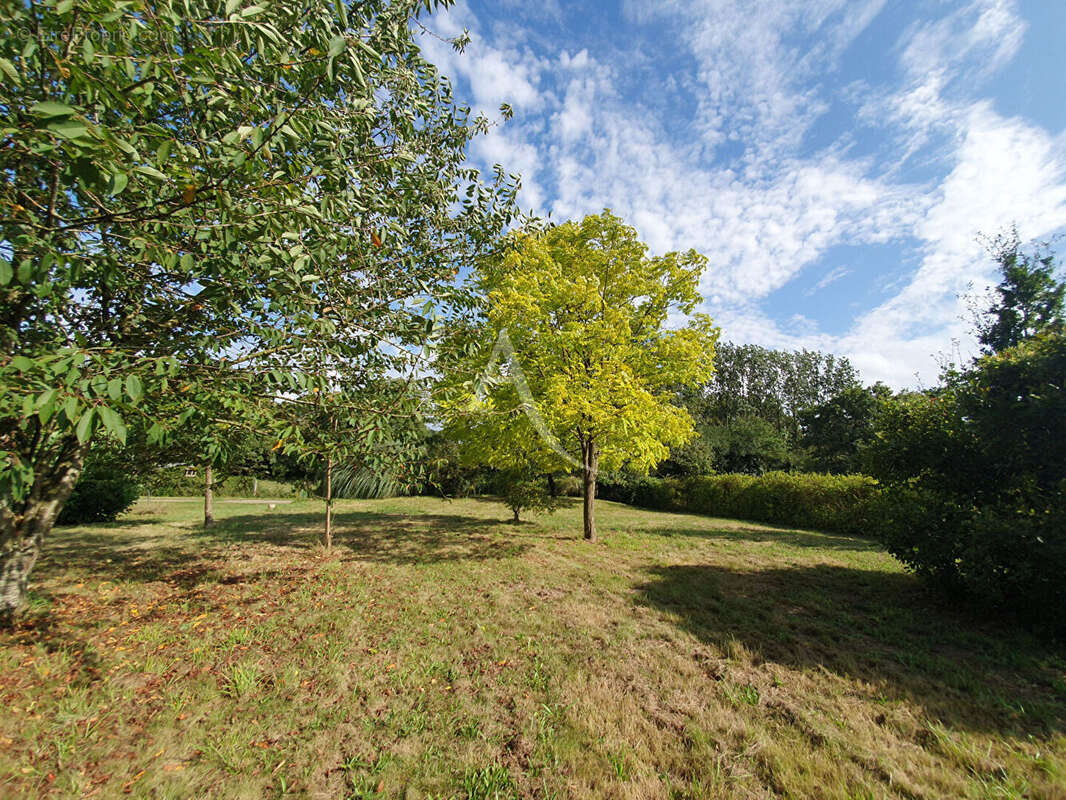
[(22, 534), (516, 520), (255, 486), (209, 497), (329, 502), (591, 460), (553, 490)]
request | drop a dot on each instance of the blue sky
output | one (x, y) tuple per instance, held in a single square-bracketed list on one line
[(835, 160)]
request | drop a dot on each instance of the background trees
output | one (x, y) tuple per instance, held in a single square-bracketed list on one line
[(585, 309), (750, 414), (194, 193)]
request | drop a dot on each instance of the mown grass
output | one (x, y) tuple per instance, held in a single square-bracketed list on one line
[(439, 651)]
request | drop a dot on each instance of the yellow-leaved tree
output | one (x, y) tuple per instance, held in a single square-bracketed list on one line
[(571, 359)]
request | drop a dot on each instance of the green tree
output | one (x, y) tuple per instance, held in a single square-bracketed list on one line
[(1028, 300), (589, 381), (833, 433), (756, 383), (747, 444), (524, 489), (195, 192)]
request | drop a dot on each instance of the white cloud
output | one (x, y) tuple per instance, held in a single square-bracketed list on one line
[(974, 41), (765, 216), (831, 277)]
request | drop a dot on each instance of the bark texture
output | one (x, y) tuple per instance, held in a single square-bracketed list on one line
[(23, 528), (590, 455), (329, 502), (209, 497)]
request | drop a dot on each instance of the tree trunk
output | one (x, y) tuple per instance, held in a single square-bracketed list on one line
[(22, 534), (591, 460), (255, 486), (553, 490), (329, 502), (516, 520), (209, 497)]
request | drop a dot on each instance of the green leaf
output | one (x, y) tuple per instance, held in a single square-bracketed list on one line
[(118, 183), (134, 388), (22, 364), (9, 69), (151, 172), (63, 6), (231, 6), (336, 46), (84, 429), (112, 423), (68, 128), (114, 389), (46, 397), (6, 273), (50, 108)]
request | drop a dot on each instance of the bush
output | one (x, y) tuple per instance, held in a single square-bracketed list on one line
[(103, 492), (525, 490), (835, 503), (975, 481), (568, 486)]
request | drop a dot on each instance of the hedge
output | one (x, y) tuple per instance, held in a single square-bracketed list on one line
[(173, 482), (833, 503)]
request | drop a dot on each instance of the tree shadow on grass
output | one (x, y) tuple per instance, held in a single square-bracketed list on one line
[(773, 534), (882, 628), (382, 537), (183, 558)]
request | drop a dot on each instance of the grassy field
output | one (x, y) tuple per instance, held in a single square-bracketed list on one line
[(439, 651)]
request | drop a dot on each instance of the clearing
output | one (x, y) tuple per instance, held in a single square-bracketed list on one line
[(439, 651)]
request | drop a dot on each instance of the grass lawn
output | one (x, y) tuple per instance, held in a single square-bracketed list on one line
[(439, 651)]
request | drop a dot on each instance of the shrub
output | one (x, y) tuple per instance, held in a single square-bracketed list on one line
[(525, 490), (975, 496), (103, 492), (567, 486)]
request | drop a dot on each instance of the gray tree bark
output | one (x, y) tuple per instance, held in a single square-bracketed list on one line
[(590, 457), (329, 502), (23, 528), (209, 497)]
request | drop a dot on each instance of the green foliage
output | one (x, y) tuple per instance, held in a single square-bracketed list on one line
[(447, 473), (588, 383), (749, 414), (358, 482), (175, 482), (975, 495), (226, 217), (835, 503), (525, 490), (834, 434), (584, 308), (1029, 298), (105, 489), (747, 444)]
